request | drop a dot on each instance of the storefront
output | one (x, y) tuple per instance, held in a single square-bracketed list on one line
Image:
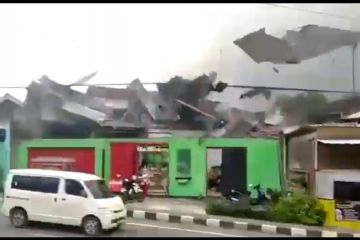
[(339, 192), (178, 167)]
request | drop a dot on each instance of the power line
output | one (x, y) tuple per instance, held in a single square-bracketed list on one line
[(314, 12), (291, 89), (229, 86)]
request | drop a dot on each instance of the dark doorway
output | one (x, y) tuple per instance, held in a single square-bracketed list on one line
[(227, 169), (233, 170)]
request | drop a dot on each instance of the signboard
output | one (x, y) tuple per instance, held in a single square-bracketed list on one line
[(347, 201), (151, 149), (347, 211)]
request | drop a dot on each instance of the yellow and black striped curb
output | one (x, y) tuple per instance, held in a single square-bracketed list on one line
[(240, 225)]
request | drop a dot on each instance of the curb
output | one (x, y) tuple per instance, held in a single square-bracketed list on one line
[(240, 225)]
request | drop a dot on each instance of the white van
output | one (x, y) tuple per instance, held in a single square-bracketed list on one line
[(69, 198)]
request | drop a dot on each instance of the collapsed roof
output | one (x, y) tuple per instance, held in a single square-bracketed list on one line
[(179, 104)]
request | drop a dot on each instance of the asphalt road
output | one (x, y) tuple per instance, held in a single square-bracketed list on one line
[(132, 228)]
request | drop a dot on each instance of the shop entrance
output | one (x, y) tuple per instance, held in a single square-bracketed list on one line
[(154, 161), (227, 170)]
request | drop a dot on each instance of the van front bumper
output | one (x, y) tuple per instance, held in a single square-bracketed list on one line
[(113, 220)]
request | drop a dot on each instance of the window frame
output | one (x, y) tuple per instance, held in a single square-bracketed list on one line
[(80, 183), (188, 160), (33, 187), (58, 185)]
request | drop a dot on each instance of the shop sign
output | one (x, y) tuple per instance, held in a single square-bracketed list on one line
[(151, 149)]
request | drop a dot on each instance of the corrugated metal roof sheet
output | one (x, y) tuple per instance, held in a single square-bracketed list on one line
[(340, 141), (84, 111)]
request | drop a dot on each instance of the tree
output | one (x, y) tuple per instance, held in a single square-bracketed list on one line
[(309, 107)]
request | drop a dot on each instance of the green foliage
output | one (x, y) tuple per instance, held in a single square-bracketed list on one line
[(310, 105), (298, 208), (275, 195)]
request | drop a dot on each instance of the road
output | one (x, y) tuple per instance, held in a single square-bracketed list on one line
[(132, 228)]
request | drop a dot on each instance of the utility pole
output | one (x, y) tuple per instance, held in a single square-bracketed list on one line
[(354, 67)]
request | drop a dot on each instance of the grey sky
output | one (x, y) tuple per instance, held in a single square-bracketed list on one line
[(153, 42)]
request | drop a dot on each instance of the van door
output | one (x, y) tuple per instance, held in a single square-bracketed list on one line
[(72, 203), (44, 199)]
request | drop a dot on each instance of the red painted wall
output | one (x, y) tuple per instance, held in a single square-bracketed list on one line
[(123, 159), (84, 157)]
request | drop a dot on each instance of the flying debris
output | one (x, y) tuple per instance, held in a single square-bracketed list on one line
[(85, 79), (310, 42), (257, 91), (275, 70)]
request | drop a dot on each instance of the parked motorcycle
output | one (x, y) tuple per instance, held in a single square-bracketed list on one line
[(261, 195), (130, 188), (236, 196)]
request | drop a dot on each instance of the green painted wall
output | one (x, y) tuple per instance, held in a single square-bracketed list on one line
[(97, 144), (263, 159), (196, 186)]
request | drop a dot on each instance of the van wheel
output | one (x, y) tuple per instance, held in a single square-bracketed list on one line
[(18, 218), (92, 226)]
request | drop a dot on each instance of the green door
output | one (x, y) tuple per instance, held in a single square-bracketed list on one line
[(187, 168)]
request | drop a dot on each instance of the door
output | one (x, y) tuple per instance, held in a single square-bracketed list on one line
[(233, 170), (73, 201), (124, 158), (44, 199)]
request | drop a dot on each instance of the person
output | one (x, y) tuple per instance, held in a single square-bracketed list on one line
[(214, 178)]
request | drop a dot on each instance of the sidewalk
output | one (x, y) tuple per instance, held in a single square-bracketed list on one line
[(188, 211)]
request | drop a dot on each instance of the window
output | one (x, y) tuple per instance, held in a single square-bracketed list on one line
[(98, 189), (49, 185), (349, 191), (184, 162), (35, 184), (73, 187), (27, 183)]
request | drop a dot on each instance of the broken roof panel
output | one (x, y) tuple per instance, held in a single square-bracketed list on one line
[(9, 98), (68, 94), (77, 109), (111, 93), (157, 107), (311, 41)]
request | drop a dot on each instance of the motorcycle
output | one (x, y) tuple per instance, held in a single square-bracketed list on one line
[(261, 195), (134, 188), (236, 196), (262, 201)]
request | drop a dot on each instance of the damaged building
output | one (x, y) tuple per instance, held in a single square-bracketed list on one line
[(116, 127)]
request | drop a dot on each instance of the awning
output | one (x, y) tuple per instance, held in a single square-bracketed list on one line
[(340, 141)]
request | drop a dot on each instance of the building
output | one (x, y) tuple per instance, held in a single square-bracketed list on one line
[(313, 148)]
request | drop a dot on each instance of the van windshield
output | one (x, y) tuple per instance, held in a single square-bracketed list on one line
[(98, 189)]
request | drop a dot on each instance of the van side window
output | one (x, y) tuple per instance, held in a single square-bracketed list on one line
[(35, 184), (73, 187), (27, 183), (49, 185)]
